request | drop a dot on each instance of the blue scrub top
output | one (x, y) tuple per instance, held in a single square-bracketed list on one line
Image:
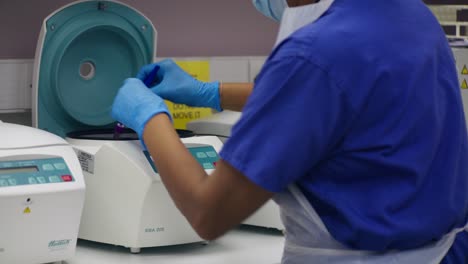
[(362, 110)]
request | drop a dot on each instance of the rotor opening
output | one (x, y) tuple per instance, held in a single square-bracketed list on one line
[(87, 70)]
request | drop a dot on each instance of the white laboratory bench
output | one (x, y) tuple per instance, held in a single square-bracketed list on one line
[(241, 245)]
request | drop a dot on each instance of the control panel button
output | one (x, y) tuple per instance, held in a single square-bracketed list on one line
[(54, 179), (208, 166), (47, 167), (41, 180), (3, 182), (12, 181), (32, 180), (201, 155), (67, 178), (60, 166), (211, 154)]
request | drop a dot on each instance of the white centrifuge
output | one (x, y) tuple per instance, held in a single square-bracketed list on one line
[(85, 51), (41, 196), (220, 125), (460, 52)]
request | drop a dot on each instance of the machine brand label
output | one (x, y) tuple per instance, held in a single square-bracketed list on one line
[(86, 161), (59, 244), (154, 230)]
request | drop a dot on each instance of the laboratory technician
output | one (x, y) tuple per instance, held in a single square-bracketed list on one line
[(354, 126)]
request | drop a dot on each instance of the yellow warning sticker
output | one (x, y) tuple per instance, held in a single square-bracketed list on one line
[(465, 70), (464, 84), (183, 114), (27, 210)]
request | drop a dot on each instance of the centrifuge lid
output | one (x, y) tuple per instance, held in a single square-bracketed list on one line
[(85, 51), (219, 124), (19, 137)]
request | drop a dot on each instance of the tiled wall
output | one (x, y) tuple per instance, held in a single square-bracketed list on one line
[(453, 18), (231, 69), (15, 85), (16, 81)]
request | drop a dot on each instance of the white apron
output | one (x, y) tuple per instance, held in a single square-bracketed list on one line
[(308, 241)]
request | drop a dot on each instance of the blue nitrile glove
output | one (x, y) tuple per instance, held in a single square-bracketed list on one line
[(135, 105), (176, 85)]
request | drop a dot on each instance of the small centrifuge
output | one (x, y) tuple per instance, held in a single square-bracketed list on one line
[(85, 51), (42, 194)]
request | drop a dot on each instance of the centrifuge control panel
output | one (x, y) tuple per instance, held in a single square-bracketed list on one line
[(205, 155), (32, 172)]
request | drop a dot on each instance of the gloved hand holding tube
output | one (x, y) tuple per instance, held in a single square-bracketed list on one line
[(179, 87), (148, 80), (135, 105)]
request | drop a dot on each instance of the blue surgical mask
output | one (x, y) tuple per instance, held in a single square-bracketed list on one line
[(273, 9)]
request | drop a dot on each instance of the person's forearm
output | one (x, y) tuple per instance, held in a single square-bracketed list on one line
[(172, 158), (234, 95), (208, 207), (212, 204)]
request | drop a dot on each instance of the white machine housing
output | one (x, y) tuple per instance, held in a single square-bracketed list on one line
[(40, 221), (220, 125), (126, 202), (461, 57)]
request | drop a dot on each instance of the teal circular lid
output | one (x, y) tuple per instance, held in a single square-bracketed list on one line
[(88, 50), (92, 66)]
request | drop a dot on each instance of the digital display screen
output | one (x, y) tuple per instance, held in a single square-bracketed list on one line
[(18, 170)]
